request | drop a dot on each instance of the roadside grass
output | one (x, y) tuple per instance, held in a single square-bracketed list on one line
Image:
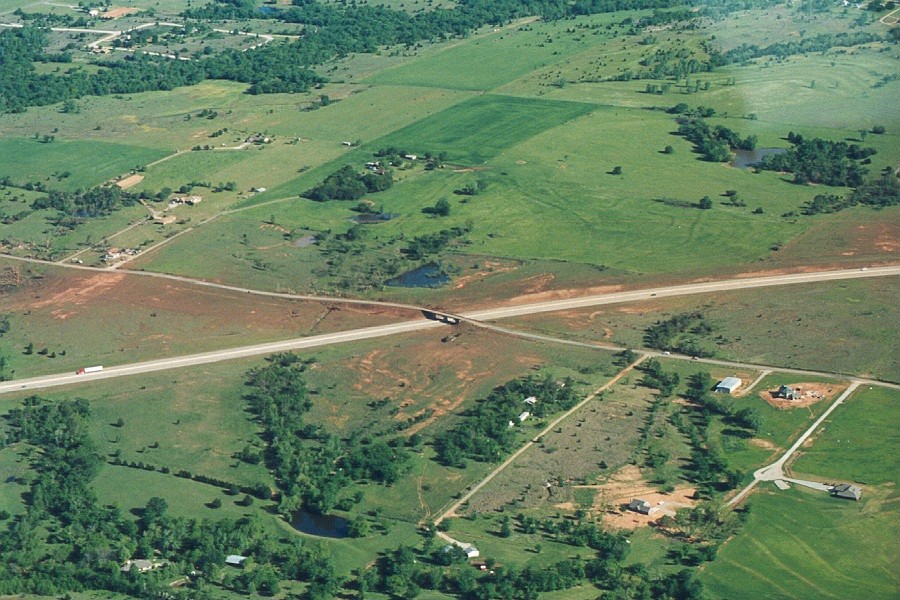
[(89, 162), (858, 441), (107, 319), (841, 326)]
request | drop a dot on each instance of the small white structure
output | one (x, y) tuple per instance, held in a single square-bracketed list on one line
[(524, 416), (531, 401), (471, 551), (728, 385), (259, 190), (410, 156)]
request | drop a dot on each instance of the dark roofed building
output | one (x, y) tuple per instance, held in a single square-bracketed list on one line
[(788, 393), (641, 506), (845, 490)]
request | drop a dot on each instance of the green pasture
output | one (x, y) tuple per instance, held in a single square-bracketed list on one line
[(802, 543), (858, 442), (89, 163), (480, 128), (484, 62)]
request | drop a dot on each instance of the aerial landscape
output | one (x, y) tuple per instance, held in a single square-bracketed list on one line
[(449, 299)]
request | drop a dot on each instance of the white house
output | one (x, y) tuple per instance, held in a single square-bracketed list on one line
[(530, 401), (524, 416)]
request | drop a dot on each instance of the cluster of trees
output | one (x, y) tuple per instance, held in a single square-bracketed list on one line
[(66, 541), (431, 243), (880, 192), (347, 184), (485, 435), (819, 43), (306, 460), (714, 143), (821, 161), (682, 333), (277, 67), (95, 202)]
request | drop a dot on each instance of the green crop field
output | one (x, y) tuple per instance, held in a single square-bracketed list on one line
[(802, 543)]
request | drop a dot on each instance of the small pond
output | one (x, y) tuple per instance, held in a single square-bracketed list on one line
[(425, 276), (744, 159), (321, 525), (268, 10), (371, 218)]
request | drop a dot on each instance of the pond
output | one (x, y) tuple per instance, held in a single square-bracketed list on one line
[(321, 525), (744, 159), (370, 218), (425, 276), (268, 10)]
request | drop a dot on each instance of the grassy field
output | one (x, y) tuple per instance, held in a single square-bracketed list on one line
[(802, 543), (844, 327)]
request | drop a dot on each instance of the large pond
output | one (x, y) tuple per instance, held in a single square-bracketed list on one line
[(425, 276), (744, 159), (321, 525)]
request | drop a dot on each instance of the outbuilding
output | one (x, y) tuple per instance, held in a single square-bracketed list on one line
[(235, 560), (640, 506), (728, 385), (524, 416), (845, 490), (530, 401)]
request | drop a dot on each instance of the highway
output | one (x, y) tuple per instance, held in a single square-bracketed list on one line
[(476, 318)]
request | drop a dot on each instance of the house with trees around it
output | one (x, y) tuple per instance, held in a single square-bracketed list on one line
[(235, 560)]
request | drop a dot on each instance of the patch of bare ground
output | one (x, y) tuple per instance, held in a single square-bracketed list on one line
[(130, 181), (810, 393), (627, 484), (761, 443)]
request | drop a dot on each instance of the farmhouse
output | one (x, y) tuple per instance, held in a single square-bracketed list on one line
[(845, 490), (257, 138), (471, 551), (524, 416), (410, 156), (139, 566), (728, 385), (235, 560), (788, 393), (640, 506), (531, 401)]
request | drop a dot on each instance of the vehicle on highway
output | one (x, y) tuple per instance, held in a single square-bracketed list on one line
[(84, 370)]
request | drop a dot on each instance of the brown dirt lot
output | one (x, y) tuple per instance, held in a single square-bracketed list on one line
[(131, 181), (115, 13), (627, 484), (811, 394)]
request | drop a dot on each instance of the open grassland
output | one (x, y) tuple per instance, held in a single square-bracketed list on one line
[(802, 543), (843, 327), (106, 319), (478, 129), (88, 163), (857, 442), (471, 64)]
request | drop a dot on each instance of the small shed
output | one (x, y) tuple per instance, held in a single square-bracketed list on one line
[(640, 506), (410, 156), (845, 490), (235, 560), (788, 393), (524, 416), (728, 385), (530, 401), (471, 551)]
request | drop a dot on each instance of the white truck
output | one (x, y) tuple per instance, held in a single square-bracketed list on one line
[(84, 370)]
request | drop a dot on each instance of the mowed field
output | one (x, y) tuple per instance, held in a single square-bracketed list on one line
[(801, 543)]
